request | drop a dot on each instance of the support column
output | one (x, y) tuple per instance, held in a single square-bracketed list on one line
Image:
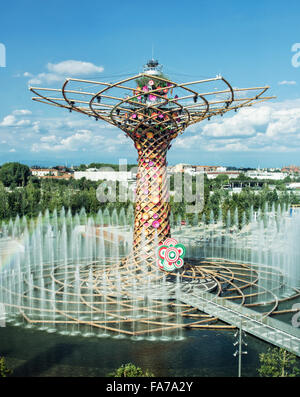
[(152, 211)]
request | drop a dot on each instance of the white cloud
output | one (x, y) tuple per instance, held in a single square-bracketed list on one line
[(57, 72), (242, 124), (8, 121), (12, 121), (36, 126), (284, 122), (76, 141), (273, 127), (187, 142), (73, 68), (21, 112), (232, 147), (72, 143), (22, 123), (286, 82), (25, 74), (50, 138), (47, 78)]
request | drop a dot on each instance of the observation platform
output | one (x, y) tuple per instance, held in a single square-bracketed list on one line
[(268, 329)]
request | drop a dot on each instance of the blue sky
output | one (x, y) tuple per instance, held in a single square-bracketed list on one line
[(249, 43)]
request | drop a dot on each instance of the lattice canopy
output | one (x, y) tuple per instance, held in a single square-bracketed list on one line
[(139, 103)]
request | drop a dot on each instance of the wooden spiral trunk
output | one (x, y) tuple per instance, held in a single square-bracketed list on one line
[(152, 210)]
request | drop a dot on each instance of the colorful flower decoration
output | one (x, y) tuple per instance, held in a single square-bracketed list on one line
[(170, 255), (152, 98), (156, 224)]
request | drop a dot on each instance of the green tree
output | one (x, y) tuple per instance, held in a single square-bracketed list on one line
[(220, 180), (14, 174), (278, 363), (242, 177), (32, 199), (4, 207), (4, 371), (129, 371)]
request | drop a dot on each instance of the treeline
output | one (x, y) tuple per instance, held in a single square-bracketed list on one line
[(271, 194), (218, 202), (21, 194), (39, 195)]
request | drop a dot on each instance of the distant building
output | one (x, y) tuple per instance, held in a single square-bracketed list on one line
[(258, 174), (293, 185), (215, 174), (291, 169), (50, 173), (41, 172), (95, 175), (178, 168), (194, 169), (65, 175), (210, 168)]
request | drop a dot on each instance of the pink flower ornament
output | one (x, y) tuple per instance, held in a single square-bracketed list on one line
[(152, 98)]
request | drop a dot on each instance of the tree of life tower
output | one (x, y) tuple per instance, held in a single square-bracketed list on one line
[(152, 110)]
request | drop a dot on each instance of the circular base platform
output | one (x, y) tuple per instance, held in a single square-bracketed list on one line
[(122, 299)]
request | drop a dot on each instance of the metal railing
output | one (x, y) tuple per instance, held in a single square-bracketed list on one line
[(266, 328)]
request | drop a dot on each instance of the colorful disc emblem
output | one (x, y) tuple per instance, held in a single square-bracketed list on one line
[(170, 255), (162, 251), (169, 266), (179, 263), (170, 241), (181, 249)]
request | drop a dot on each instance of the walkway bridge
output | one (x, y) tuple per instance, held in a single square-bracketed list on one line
[(268, 329)]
